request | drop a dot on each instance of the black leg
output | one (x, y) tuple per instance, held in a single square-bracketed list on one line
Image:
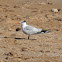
[(28, 36)]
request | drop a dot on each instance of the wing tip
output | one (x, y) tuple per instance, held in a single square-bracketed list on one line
[(45, 31)]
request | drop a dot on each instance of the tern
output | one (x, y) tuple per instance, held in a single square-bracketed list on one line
[(30, 30)]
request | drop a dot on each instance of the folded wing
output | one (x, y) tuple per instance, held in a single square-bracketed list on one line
[(31, 30)]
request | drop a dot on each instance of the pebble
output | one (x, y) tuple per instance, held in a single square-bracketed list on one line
[(43, 3), (49, 3), (10, 29), (17, 29), (16, 6), (54, 10)]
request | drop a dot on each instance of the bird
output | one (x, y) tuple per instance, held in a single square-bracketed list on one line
[(30, 30)]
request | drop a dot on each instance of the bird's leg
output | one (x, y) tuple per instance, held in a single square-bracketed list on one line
[(28, 36)]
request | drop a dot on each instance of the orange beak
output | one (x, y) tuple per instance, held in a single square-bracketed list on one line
[(17, 23)]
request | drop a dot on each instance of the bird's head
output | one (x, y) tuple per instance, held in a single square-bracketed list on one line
[(21, 22)]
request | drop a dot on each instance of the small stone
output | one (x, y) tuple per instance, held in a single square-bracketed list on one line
[(5, 37), (6, 58), (57, 30), (10, 29), (50, 3), (23, 49), (17, 29), (6, 16), (0, 5), (42, 51), (54, 10), (16, 6), (59, 9), (8, 54), (43, 3)]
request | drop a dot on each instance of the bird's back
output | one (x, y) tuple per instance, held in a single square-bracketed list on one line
[(31, 30)]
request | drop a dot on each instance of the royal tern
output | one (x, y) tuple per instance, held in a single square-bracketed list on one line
[(30, 30)]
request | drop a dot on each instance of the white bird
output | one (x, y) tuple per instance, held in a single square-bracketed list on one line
[(30, 30)]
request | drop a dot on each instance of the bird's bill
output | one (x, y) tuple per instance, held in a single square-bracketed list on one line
[(18, 23)]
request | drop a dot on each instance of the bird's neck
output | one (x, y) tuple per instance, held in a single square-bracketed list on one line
[(23, 24)]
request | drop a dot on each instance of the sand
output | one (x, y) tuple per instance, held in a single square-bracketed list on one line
[(14, 45)]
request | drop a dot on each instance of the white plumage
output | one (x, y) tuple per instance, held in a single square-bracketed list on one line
[(30, 30)]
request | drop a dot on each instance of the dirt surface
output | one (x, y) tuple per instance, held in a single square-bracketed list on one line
[(14, 45)]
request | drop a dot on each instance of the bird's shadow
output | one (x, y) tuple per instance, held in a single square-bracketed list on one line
[(13, 37), (17, 38), (25, 38)]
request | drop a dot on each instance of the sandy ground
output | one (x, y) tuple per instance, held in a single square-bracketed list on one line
[(14, 45)]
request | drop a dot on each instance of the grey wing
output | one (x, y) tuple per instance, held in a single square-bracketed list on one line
[(31, 30)]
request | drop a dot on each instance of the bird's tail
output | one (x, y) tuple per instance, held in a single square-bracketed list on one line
[(45, 31), (42, 31)]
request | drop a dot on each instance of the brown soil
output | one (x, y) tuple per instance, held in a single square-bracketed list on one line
[(14, 45)]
